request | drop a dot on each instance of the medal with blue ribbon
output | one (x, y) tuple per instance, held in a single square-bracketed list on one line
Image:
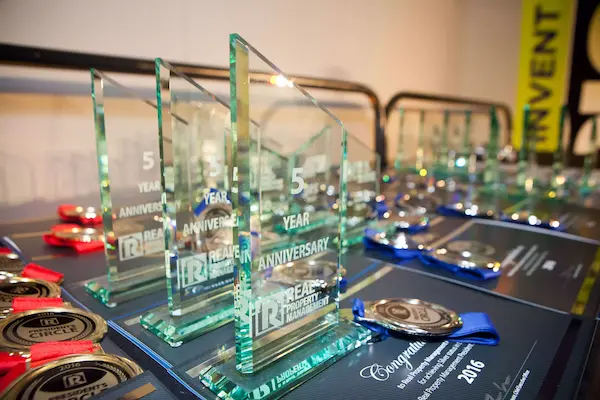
[(418, 318), (400, 244), (469, 261)]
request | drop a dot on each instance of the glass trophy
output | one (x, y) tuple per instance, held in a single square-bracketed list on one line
[(586, 182), (364, 197), (287, 324), (481, 202), (400, 160), (130, 191), (558, 185), (463, 151), (197, 214)]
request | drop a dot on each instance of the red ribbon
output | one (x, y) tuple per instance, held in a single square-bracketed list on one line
[(35, 271), (4, 250), (63, 213), (48, 350), (21, 304), (14, 364)]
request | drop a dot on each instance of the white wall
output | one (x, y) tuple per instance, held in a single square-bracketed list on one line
[(388, 44), (458, 47)]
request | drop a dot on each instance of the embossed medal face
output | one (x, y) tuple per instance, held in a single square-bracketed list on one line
[(24, 329), (415, 317), (418, 203), (11, 263), (72, 377), (11, 287), (397, 240), (78, 234), (218, 224), (322, 272), (466, 259)]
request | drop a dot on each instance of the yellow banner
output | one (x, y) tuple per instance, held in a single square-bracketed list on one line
[(543, 62)]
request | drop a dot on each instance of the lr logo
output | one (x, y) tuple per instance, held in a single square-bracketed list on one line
[(75, 379), (269, 313), (131, 246), (49, 321), (193, 270)]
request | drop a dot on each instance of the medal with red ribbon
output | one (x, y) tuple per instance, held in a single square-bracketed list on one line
[(79, 214), (12, 265), (16, 363), (83, 240)]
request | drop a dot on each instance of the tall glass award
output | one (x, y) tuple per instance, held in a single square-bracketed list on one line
[(287, 324), (130, 191), (197, 220), (363, 177)]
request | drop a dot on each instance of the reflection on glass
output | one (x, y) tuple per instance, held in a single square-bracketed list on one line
[(287, 325), (130, 191), (194, 128)]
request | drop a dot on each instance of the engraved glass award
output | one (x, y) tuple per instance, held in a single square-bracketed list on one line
[(287, 325), (363, 177), (197, 219), (130, 191)]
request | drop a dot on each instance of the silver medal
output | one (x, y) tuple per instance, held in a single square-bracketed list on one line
[(402, 219), (218, 214), (322, 273), (397, 240), (413, 317), (465, 259), (421, 202)]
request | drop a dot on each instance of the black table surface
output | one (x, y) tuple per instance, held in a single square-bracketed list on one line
[(549, 333)]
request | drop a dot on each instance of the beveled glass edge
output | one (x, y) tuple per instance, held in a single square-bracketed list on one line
[(236, 37)]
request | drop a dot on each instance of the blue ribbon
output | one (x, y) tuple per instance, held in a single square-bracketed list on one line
[(477, 327), (402, 254), (450, 212), (473, 273), (381, 207)]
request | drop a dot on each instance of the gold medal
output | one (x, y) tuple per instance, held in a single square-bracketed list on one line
[(54, 324), (81, 212), (14, 286), (78, 234), (72, 377), (10, 263)]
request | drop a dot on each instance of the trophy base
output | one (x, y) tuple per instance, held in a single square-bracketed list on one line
[(281, 375), (103, 291), (194, 321)]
